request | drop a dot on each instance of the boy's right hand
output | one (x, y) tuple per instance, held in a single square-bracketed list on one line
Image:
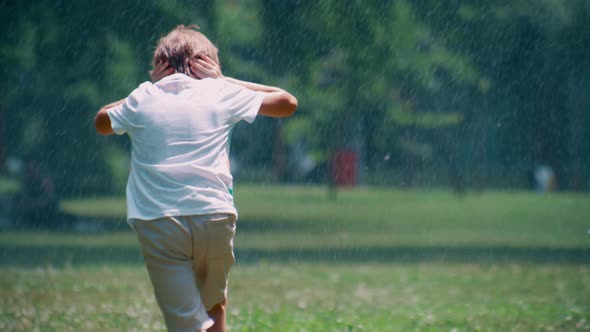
[(161, 70)]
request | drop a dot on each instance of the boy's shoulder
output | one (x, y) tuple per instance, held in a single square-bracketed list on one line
[(140, 93), (174, 84), (145, 86), (215, 86)]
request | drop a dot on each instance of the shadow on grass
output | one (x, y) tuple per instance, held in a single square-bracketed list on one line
[(60, 256), (31, 255), (108, 225)]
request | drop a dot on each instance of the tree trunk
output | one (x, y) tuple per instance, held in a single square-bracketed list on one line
[(2, 141), (278, 152), (576, 134)]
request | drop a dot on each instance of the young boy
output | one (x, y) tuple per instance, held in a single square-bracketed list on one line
[(179, 191)]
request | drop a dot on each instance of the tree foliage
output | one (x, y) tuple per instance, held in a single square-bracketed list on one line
[(475, 92)]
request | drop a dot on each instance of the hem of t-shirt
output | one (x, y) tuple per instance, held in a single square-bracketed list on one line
[(184, 212)]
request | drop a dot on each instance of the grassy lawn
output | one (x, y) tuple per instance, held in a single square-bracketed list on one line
[(371, 260), (312, 297), (294, 217)]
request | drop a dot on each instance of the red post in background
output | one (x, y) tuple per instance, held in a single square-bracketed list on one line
[(345, 168)]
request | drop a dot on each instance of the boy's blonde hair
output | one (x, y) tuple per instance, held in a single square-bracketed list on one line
[(181, 45)]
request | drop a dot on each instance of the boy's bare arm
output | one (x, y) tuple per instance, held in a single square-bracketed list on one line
[(277, 103), (102, 122)]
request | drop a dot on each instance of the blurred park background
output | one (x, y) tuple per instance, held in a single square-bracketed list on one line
[(465, 94), (434, 178)]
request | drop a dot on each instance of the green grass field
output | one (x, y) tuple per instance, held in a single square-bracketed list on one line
[(372, 260)]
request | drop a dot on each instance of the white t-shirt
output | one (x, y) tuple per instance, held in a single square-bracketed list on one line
[(180, 132)]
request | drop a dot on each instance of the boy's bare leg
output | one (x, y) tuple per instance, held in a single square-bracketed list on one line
[(217, 313)]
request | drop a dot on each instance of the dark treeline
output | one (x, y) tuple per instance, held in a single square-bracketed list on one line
[(468, 94)]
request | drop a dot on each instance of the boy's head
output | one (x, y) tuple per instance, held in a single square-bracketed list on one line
[(181, 45)]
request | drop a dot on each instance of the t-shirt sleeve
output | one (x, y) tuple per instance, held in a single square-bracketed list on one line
[(120, 118), (124, 116), (241, 102)]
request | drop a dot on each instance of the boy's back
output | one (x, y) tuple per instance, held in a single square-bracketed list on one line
[(180, 132)]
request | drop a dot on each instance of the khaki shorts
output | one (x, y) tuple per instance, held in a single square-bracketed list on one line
[(188, 259)]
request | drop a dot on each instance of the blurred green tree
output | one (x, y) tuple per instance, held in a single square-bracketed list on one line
[(62, 62), (473, 92)]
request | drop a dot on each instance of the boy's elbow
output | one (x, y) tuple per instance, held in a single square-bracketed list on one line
[(99, 127), (278, 105), (102, 123), (291, 105)]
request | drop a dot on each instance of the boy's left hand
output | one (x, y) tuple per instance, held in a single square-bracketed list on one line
[(205, 67), (161, 70)]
